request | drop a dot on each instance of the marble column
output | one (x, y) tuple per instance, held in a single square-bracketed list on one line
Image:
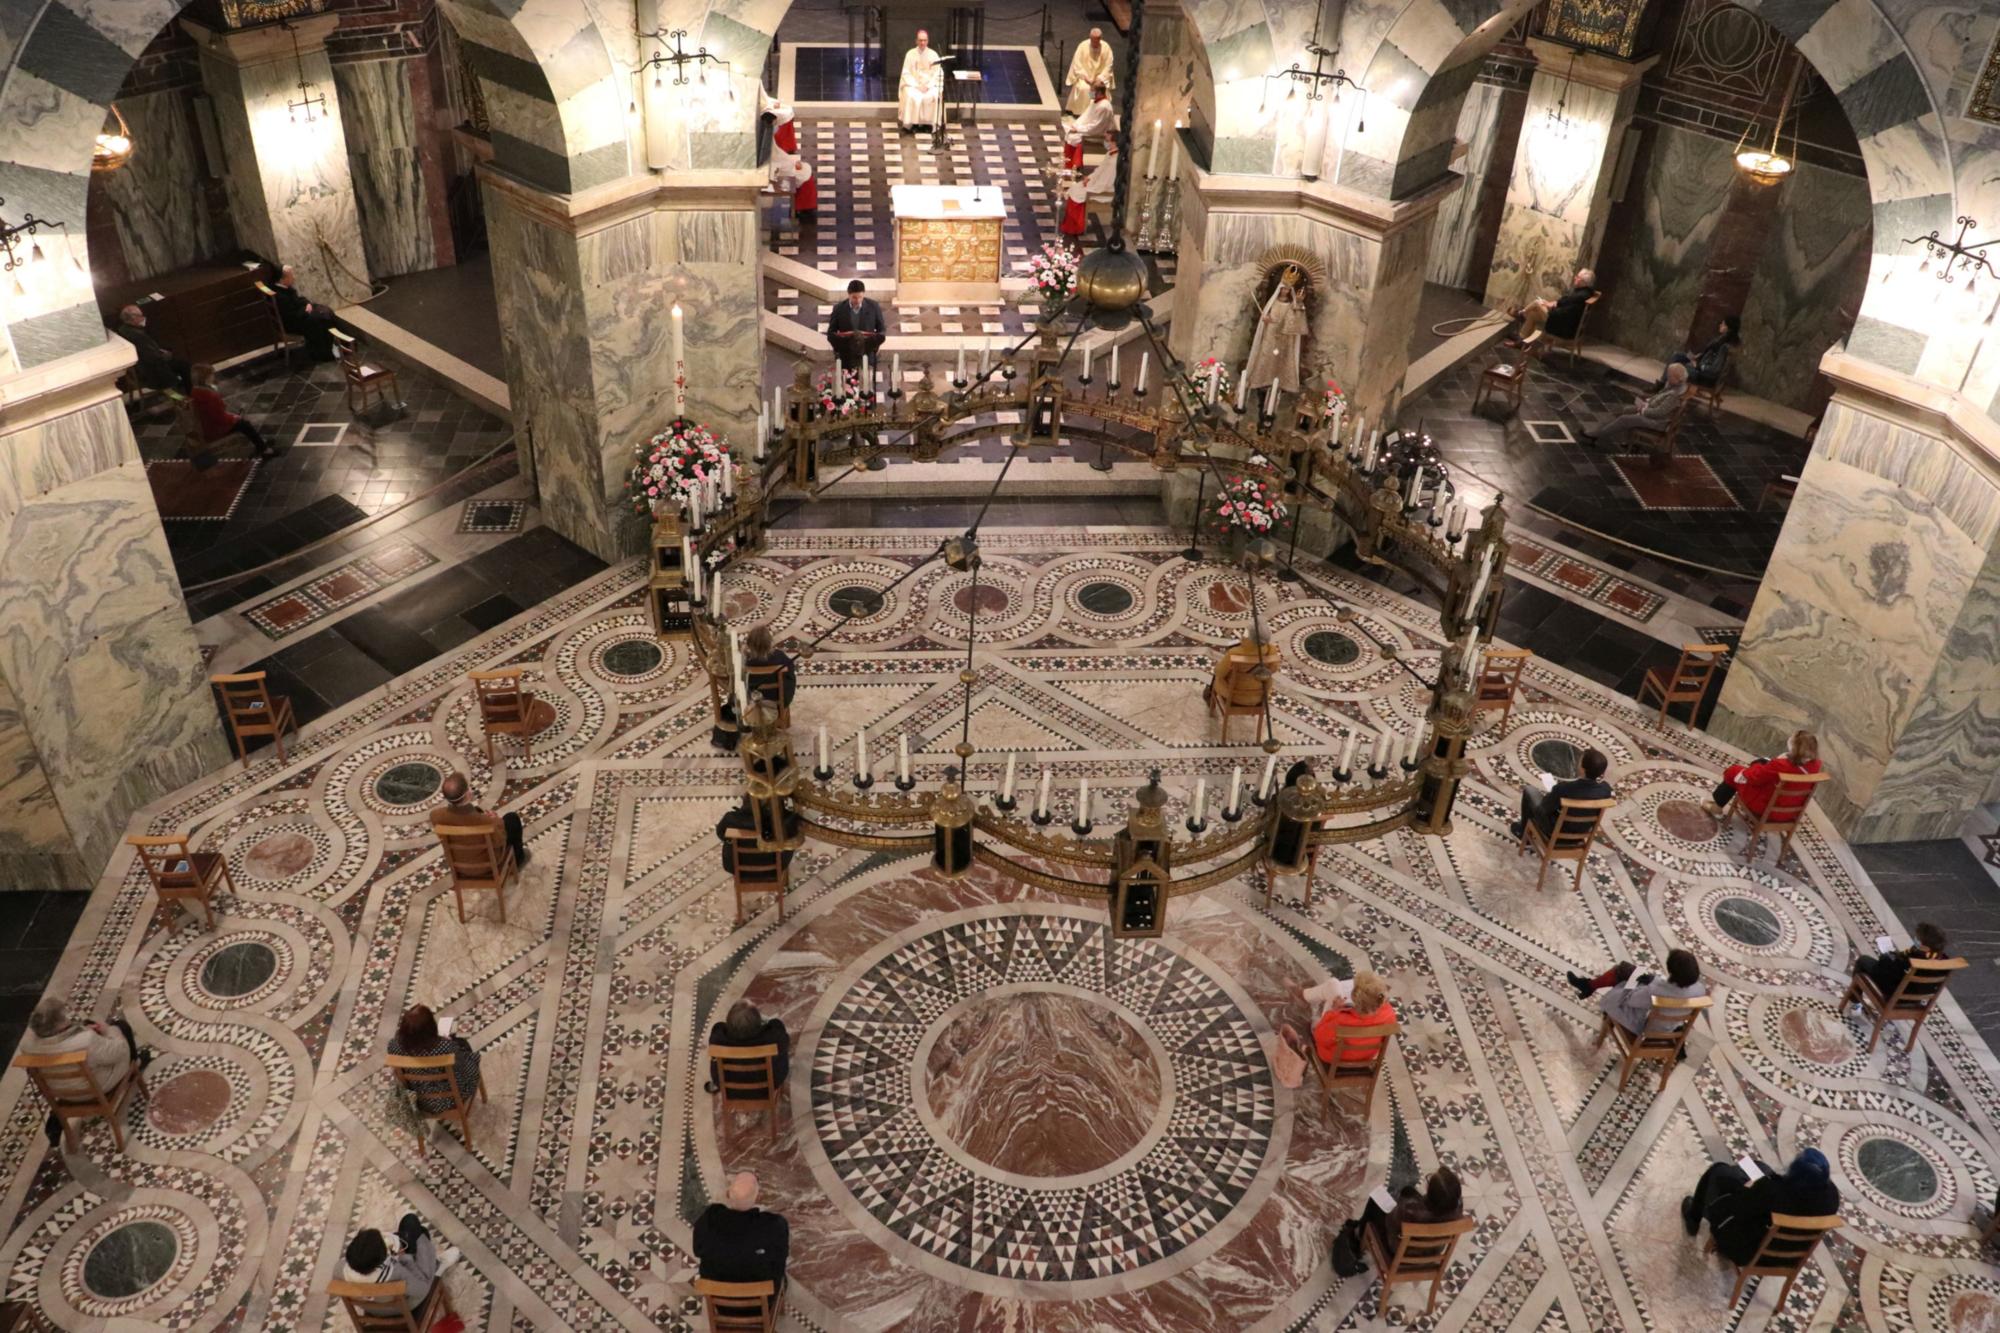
[(1579, 109), (1372, 253), (396, 156), (291, 188), (585, 283), (1489, 125), (1878, 622), (104, 703)]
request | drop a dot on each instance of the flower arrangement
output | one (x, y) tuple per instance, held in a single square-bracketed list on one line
[(1250, 505), (838, 393), (1054, 273), (1334, 397), (678, 460), (1197, 377)]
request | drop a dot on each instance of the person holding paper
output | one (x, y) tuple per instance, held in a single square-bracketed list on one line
[(1757, 781), (1441, 1200), (416, 1262), (920, 92), (1627, 996), (422, 1032), (1738, 1199), (760, 652), (1889, 968), (1543, 806), (856, 330), (1367, 1006)]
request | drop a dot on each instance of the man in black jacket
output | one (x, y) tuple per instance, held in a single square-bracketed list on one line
[(856, 330), (314, 323), (736, 1241), (1560, 318), (1544, 806), (158, 368)]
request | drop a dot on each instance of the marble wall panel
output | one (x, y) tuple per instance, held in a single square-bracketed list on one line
[(244, 183), (1558, 194), (1808, 286), (155, 200), (391, 191), (1455, 236), (307, 187), (1654, 275)]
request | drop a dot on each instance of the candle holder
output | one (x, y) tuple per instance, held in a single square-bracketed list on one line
[(822, 774), (906, 784), (1343, 776), (1081, 830), (1007, 372), (1261, 800), (1233, 816), (863, 781), (1378, 774), (1042, 818), (1086, 379), (1197, 829), (1410, 765), (1006, 805)]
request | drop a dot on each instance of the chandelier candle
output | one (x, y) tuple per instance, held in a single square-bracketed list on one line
[(1085, 377), (1270, 772), (1042, 797), (824, 766), (728, 478), (680, 366), (1007, 783), (1114, 365), (1145, 360), (1174, 158), (1416, 743), (903, 759), (763, 429), (715, 595), (1214, 371), (1235, 806), (1243, 387), (959, 374), (1083, 802), (985, 359), (1200, 801), (689, 574), (1271, 398), (860, 753), (1347, 753), (895, 372)]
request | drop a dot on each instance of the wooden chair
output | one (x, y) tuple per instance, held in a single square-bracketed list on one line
[(508, 708), (1689, 683), (253, 710), (1239, 693), (282, 338), (376, 1307), (1913, 999), (746, 1079), (1710, 395), (770, 682), (1423, 1254), (1660, 443), (1661, 1040), (1575, 830), (1782, 813), (1552, 343), (182, 875), (1780, 491), (67, 1085), (1992, 1225), (1358, 1053), (422, 1076), (1787, 1245), (1499, 679), (364, 380), (756, 871), (479, 859), (1504, 379), (739, 1307)]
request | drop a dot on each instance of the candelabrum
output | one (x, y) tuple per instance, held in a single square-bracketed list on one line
[(1166, 239), (1146, 241)]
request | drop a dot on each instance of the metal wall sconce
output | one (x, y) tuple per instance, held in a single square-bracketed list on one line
[(680, 58), (1317, 80), (1957, 254), (310, 99)]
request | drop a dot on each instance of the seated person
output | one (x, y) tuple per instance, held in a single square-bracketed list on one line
[(1707, 366), (109, 1049), (740, 819), (416, 1262), (1543, 806), (1739, 1210), (1233, 673), (1367, 1006), (759, 651), (1630, 1006), (1650, 413), (1757, 781), (216, 421), (1440, 1200), (458, 812), (1560, 318), (747, 1026), (417, 1034), (736, 1241), (1888, 971), (157, 368), (310, 321)]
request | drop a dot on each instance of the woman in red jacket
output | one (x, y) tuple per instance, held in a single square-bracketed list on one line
[(215, 419), (1755, 782), (1367, 1006)]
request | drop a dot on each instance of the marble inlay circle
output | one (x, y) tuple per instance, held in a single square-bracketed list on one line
[(1558, 758), (411, 782), (1332, 647), (870, 1065), (1897, 1169), (279, 856), (1817, 1034), (187, 1102), (856, 601), (1042, 1084), (1748, 921), (1687, 821), (992, 601), (1101, 597), (129, 1259), (631, 657), (238, 969)]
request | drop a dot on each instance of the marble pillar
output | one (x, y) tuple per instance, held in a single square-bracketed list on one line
[(1489, 124), (1167, 44), (156, 201), (394, 159), (1878, 622), (291, 188), (1558, 198), (1371, 251), (104, 702), (585, 283)]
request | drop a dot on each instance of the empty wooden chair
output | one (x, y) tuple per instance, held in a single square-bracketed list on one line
[(770, 681), (480, 860), (1661, 1040), (1787, 1245), (252, 710), (1499, 679), (1912, 1000), (1780, 491), (508, 708), (1689, 682), (1782, 813), (756, 871), (421, 1076), (746, 1079), (65, 1082), (739, 1307), (364, 379), (1358, 1054), (1504, 379), (1575, 831), (181, 875), (283, 339), (377, 1307), (1423, 1254)]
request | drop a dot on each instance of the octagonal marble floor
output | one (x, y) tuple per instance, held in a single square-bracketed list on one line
[(997, 1118)]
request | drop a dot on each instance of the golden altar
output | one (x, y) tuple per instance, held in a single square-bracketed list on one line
[(948, 246)]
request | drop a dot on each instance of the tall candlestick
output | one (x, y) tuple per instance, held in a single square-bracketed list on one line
[(1174, 157), (1270, 773), (903, 757), (1242, 386), (1153, 154), (1145, 360), (861, 752), (1200, 799), (1347, 752), (1114, 364), (1007, 783), (1042, 797), (680, 365), (824, 766), (1235, 789)]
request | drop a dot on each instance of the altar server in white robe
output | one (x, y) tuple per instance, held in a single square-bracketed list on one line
[(920, 94), (1095, 122), (1090, 66)]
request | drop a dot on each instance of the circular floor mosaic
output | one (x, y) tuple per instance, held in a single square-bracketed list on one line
[(936, 1077), (130, 1259), (856, 601), (409, 783), (1104, 598), (237, 969), (632, 657)]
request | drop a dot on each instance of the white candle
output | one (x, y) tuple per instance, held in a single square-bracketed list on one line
[(824, 766), (903, 757), (895, 371), (1270, 772), (1347, 752), (715, 593), (1271, 399), (1339, 410), (1360, 429), (694, 507), (1007, 783), (1153, 154), (1235, 789), (960, 373), (1242, 386), (1145, 361), (867, 376), (1214, 380), (1378, 751), (688, 571), (1114, 365), (1086, 364), (1042, 799), (680, 365), (1083, 800), (1479, 586), (985, 358), (1200, 798), (861, 752), (1174, 156), (778, 406), (1416, 480), (1416, 742), (763, 429), (729, 479)]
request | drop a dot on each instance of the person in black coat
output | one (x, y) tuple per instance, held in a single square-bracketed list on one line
[(158, 368), (747, 1026), (1707, 366), (736, 1241), (314, 323), (857, 330), (739, 819), (760, 651), (1560, 318), (1739, 1209), (1888, 971), (1544, 806)]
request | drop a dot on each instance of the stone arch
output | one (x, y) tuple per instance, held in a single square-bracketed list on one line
[(556, 103)]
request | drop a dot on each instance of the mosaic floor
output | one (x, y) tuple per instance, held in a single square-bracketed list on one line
[(1142, 1170)]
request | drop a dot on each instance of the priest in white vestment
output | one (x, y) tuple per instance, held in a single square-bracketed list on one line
[(1090, 66), (1097, 121), (920, 94)]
